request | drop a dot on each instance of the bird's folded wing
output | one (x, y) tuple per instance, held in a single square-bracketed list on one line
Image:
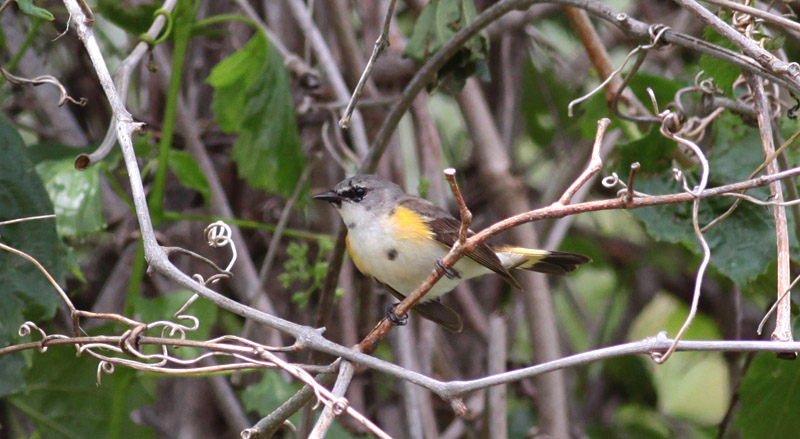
[(445, 230)]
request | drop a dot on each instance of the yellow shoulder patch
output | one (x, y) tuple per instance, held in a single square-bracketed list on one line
[(407, 224)]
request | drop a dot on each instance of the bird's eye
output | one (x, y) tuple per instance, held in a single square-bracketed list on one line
[(357, 193)]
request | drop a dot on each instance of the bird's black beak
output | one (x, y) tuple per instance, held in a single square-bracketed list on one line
[(330, 196)]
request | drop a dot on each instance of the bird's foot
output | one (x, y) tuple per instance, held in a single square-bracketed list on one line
[(450, 273), (393, 317)]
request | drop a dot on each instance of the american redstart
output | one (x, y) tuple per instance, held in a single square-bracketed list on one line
[(397, 238)]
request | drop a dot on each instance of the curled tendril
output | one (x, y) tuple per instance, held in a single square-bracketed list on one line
[(26, 328), (613, 180), (656, 31), (29, 327), (104, 367), (340, 405), (217, 235)]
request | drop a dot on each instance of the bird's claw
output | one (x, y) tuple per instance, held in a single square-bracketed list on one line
[(450, 273), (394, 318)]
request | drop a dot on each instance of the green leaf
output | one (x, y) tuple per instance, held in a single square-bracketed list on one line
[(188, 173), (438, 22), (723, 72), (735, 153), (663, 88), (251, 98), (133, 19), (41, 152), (268, 394), (28, 8), (653, 152), (541, 84), (26, 293), (631, 376), (76, 197), (769, 399), (62, 398), (692, 386)]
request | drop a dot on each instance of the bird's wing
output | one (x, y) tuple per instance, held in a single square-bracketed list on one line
[(445, 230)]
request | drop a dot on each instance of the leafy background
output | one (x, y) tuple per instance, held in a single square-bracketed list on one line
[(261, 126)]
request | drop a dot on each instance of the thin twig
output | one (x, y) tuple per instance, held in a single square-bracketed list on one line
[(325, 420), (44, 79), (380, 45), (790, 71), (496, 407), (698, 283), (625, 23), (783, 325), (274, 242), (331, 70), (595, 163), (766, 16), (44, 271), (26, 219), (466, 215), (122, 80)]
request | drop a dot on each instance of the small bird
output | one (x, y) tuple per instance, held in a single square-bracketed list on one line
[(397, 239)]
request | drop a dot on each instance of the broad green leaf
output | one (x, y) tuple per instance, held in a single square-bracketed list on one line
[(41, 152), (268, 394), (541, 85), (663, 88), (653, 152), (188, 173), (76, 197), (641, 422), (723, 72), (692, 386), (736, 152), (62, 398), (26, 293), (133, 19), (769, 399), (252, 99), (438, 22), (28, 8), (631, 375)]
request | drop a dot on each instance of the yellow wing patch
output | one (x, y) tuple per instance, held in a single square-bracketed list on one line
[(531, 252), (524, 257), (407, 224)]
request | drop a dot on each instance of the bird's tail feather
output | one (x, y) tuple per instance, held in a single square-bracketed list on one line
[(543, 261)]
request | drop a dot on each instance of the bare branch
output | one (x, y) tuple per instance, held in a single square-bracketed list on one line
[(44, 79), (123, 78), (789, 71), (595, 164), (380, 45), (783, 325), (331, 70), (766, 16)]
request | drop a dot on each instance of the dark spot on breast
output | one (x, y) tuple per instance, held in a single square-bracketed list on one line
[(391, 254), (351, 225)]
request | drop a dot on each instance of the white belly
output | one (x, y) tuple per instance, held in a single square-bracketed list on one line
[(403, 264)]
